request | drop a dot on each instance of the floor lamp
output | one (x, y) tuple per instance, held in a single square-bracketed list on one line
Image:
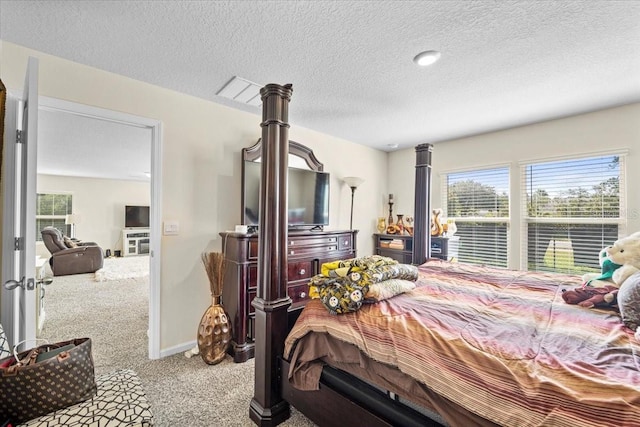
[(353, 182)]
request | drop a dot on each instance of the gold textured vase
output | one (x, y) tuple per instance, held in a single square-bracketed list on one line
[(214, 333)]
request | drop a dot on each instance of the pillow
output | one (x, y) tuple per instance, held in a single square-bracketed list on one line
[(629, 301), (387, 289), (69, 243)]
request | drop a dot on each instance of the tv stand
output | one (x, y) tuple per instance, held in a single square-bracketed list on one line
[(135, 241)]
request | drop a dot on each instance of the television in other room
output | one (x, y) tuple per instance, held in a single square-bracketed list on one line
[(308, 198), (136, 216)]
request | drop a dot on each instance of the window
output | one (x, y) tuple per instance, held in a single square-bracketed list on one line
[(572, 210), (51, 210), (478, 202)]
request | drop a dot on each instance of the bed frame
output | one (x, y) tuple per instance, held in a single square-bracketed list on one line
[(341, 400)]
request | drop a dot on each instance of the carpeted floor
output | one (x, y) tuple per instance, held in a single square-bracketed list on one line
[(181, 391)]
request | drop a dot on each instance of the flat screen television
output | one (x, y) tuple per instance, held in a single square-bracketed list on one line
[(136, 216), (308, 198)]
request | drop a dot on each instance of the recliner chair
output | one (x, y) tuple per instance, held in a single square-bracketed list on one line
[(81, 257)]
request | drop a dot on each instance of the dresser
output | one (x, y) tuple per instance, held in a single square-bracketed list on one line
[(396, 246), (445, 248), (307, 250), (400, 247)]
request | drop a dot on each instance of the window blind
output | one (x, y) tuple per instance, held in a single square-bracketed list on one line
[(51, 210), (573, 208), (478, 202)]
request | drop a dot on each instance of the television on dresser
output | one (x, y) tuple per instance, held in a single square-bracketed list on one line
[(136, 216), (308, 198)]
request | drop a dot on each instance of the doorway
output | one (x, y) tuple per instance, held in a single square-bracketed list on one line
[(153, 130)]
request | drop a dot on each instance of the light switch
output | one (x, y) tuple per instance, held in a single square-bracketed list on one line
[(171, 228)]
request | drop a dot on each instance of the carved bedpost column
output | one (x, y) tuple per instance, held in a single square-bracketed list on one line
[(267, 407), (422, 205)]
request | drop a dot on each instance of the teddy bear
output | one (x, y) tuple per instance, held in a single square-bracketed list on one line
[(618, 262), (589, 297)]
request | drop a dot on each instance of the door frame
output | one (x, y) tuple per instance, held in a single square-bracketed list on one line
[(59, 105)]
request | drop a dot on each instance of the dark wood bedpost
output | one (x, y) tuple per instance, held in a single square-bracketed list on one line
[(422, 205), (267, 407)]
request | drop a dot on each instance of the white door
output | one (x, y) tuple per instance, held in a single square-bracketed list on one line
[(19, 200)]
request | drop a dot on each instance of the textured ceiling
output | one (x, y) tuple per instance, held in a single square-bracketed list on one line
[(503, 64)]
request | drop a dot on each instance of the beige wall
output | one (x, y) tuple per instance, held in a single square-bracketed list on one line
[(201, 171), (607, 130), (100, 203)]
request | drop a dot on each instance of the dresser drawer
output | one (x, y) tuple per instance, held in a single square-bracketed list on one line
[(345, 242), (299, 294), (318, 251), (299, 270), (251, 295), (307, 240), (252, 276)]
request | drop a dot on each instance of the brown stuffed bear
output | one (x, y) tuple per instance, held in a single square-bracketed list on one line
[(589, 297)]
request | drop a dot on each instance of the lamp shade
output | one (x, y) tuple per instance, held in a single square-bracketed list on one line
[(353, 181), (72, 219)]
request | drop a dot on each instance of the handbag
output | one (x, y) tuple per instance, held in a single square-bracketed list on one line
[(46, 378)]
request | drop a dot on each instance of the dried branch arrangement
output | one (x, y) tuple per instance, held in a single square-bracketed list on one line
[(214, 265)]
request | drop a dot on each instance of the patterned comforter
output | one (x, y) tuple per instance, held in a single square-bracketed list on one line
[(501, 344)]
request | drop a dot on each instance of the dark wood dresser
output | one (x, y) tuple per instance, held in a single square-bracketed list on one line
[(307, 251)]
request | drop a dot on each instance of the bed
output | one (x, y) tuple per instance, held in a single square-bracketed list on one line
[(470, 345)]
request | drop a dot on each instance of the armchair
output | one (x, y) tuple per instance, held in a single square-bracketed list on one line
[(69, 256)]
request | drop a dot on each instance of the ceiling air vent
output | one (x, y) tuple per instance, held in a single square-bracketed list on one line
[(242, 90)]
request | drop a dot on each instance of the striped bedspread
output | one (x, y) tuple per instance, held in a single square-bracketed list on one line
[(501, 344)]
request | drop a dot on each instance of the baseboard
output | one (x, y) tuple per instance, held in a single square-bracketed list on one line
[(180, 348)]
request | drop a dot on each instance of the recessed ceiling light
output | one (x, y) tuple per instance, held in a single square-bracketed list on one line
[(427, 57), (392, 145)]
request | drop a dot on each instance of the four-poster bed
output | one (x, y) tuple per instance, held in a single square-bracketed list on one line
[(468, 346)]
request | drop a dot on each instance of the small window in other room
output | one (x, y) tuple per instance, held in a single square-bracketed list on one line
[(573, 209), (478, 202), (52, 210)]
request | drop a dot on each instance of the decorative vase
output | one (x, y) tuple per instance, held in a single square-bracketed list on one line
[(214, 333), (451, 227), (409, 227), (382, 225), (436, 226), (400, 224)]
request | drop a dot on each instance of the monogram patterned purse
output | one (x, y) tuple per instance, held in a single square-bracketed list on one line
[(45, 379)]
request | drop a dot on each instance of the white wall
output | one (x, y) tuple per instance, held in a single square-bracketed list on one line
[(607, 130), (100, 203), (201, 171)]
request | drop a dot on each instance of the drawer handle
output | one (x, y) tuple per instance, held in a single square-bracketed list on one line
[(303, 294), (302, 271), (331, 248), (291, 252), (291, 243), (346, 243), (332, 239)]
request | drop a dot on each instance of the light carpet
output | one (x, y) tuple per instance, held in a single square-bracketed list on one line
[(181, 391), (117, 268)]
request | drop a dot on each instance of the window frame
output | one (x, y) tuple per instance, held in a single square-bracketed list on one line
[(67, 229), (444, 182), (526, 219)]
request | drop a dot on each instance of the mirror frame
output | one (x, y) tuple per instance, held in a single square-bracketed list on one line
[(253, 153)]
